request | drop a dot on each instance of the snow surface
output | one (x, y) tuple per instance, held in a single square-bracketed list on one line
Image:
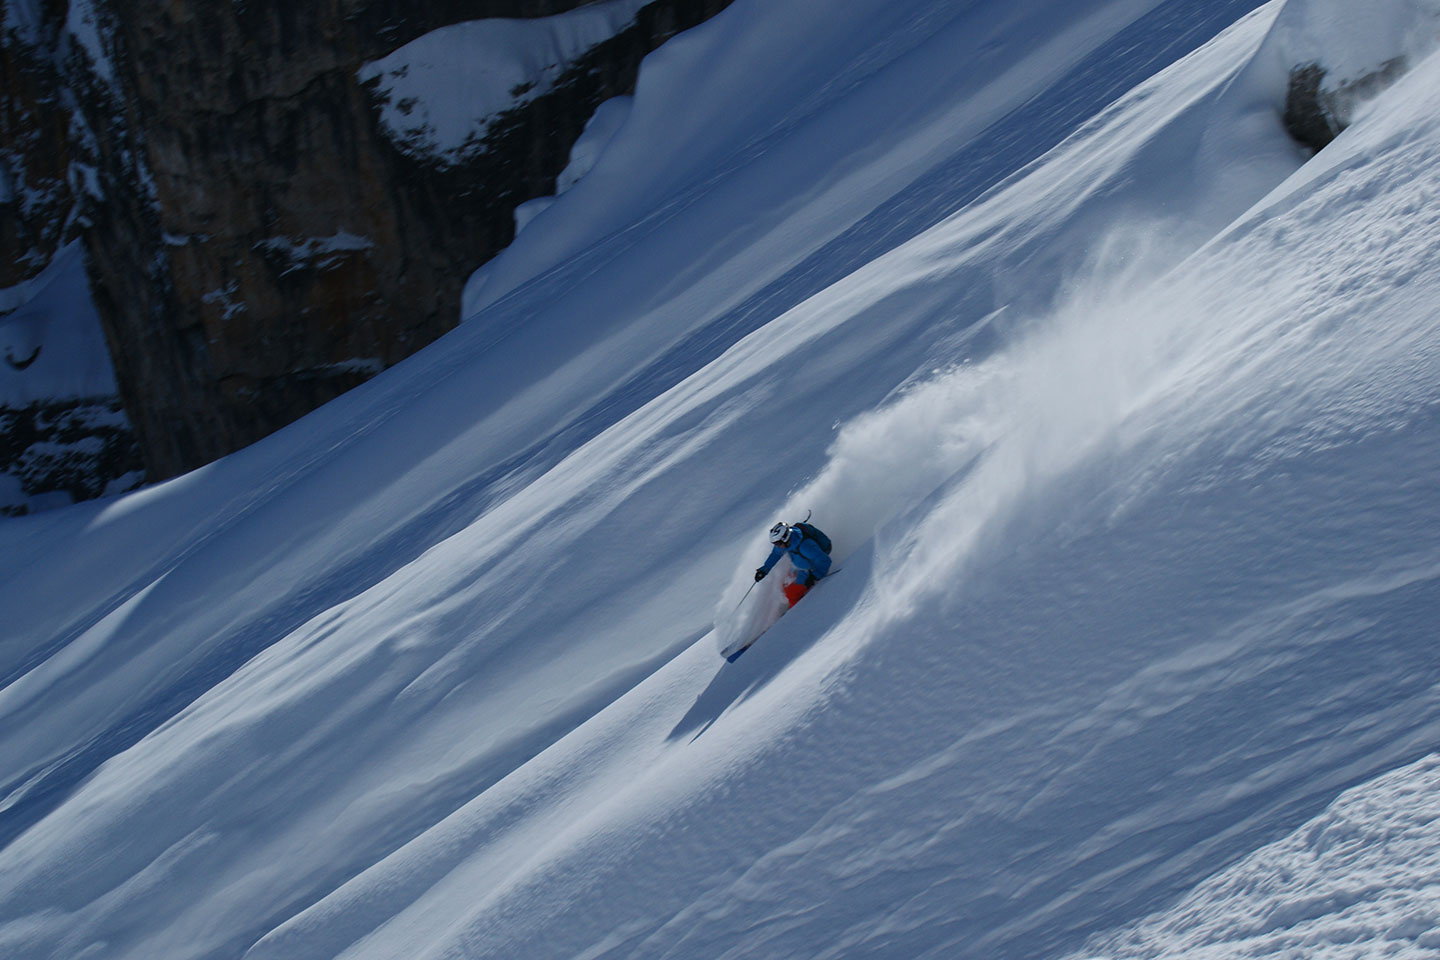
[(53, 325), (584, 154), (1351, 40), (442, 90), (83, 23), (607, 120), (1358, 880), (321, 253), (1122, 416)]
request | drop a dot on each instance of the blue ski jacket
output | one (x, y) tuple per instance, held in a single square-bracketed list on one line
[(805, 554)]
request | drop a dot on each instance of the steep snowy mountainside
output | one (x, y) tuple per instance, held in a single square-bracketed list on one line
[(1356, 879), (1137, 565), (406, 466), (876, 133), (1179, 602)]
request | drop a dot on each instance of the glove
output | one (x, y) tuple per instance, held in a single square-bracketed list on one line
[(759, 574)]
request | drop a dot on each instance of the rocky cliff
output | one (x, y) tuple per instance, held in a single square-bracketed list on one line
[(63, 435), (35, 199), (258, 240)]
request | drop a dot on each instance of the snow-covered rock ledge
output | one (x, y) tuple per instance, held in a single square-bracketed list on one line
[(1339, 54), (438, 94)]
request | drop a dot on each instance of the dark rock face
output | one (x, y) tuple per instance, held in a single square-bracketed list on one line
[(1316, 112), (82, 447), (1307, 118), (55, 449), (35, 199), (258, 245)]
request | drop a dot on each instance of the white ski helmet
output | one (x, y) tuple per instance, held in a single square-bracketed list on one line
[(779, 533)]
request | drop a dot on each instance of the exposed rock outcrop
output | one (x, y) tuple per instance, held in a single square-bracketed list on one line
[(35, 121), (256, 242), (264, 245), (1317, 111), (1339, 54), (62, 438), (58, 452)]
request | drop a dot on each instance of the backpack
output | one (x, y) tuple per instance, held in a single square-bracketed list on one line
[(812, 532)]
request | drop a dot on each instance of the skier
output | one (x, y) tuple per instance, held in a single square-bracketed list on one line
[(809, 551)]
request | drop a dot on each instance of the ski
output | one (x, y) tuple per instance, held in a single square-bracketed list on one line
[(735, 655)]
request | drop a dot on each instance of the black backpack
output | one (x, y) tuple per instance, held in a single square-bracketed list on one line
[(813, 532)]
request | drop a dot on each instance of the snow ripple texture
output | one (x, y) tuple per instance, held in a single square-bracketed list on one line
[(1362, 880)]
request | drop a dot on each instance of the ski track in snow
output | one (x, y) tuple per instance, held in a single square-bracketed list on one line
[(1125, 459)]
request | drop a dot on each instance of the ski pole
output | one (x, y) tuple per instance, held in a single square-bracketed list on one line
[(747, 593)]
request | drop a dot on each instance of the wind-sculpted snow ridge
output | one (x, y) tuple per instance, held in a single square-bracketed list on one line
[(1125, 459), (1201, 487)]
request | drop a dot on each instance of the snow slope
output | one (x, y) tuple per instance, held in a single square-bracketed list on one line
[(1358, 880), (50, 337), (1123, 429)]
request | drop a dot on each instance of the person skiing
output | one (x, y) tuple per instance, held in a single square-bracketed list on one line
[(809, 551)]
